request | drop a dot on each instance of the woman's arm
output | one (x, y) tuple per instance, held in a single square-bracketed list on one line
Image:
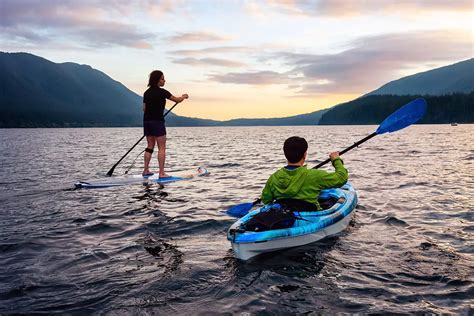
[(179, 99)]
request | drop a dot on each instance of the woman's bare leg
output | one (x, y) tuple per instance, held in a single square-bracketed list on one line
[(162, 154), (151, 140)]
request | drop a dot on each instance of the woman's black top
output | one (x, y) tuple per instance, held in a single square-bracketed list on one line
[(155, 101)]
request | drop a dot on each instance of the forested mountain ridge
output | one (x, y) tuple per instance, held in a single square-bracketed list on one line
[(35, 92), (455, 78), (373, 109)]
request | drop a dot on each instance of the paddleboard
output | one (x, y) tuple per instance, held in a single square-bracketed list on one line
[(134, 179)]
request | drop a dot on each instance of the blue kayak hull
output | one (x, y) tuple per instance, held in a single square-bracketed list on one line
[(312, 226)]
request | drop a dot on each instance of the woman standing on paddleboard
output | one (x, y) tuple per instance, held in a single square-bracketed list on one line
[(154, 101)]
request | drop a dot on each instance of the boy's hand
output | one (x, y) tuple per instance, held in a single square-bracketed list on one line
[(334, 155)]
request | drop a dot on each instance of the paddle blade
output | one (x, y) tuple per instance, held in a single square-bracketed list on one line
[(403, 117), (240, 210), (111, 171)]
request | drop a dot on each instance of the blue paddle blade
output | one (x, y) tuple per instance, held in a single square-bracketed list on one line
[(240, 210), (403, 117)]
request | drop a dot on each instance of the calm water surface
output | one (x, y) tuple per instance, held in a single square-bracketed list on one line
[(146, 250)]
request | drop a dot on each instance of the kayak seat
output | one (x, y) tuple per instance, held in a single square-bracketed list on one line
[(297, 205), (328, 203)]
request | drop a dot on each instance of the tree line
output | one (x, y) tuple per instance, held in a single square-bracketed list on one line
[(373, 109)]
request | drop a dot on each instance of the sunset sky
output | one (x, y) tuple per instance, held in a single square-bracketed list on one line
[(250, 58)]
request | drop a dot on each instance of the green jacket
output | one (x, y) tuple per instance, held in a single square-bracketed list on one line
[(302, 183)]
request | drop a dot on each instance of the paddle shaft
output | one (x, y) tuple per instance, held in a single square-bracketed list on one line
[(111, 171), (347, 149)]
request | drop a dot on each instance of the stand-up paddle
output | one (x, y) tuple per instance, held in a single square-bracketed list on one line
[(111, 171), (405, 116)]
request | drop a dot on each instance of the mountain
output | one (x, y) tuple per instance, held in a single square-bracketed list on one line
[(449, 92), (454, 78), (302, 119), (373, 109), (35, 92)]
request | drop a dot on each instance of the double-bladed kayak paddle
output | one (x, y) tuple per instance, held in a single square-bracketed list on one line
[(408, 114)]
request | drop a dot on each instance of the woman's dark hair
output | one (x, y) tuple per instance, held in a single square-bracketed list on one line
[(155, 77), (294, 148)]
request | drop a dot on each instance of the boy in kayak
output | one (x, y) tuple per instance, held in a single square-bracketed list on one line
[(295, 185)]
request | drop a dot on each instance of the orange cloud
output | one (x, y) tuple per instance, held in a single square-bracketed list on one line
[(208, 62), (197, 37)]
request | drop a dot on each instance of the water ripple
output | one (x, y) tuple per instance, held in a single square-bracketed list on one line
[(163, 250)]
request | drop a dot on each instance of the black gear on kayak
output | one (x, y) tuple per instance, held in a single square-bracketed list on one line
[(284, 216), (149, 150), (297, 205), (273, 218)]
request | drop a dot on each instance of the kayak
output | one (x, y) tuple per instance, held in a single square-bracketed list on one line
[(248, 242), (134, 179)]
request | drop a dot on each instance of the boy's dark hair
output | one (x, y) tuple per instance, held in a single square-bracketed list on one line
[(155, 77), (294, 148)]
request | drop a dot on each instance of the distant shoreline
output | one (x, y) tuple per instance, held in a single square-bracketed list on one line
[(207, 126)]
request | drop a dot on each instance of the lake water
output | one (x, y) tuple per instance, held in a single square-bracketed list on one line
[(146, 250)]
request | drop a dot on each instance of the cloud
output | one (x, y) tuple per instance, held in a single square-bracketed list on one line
[(251, 78), (369, 63), (208, 62), (373, 61), (159, 8), (86, 23), (196, 37), (211, 50), (338, 8)]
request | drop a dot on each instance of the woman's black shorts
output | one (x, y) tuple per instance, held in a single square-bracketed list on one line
[(154, 128)]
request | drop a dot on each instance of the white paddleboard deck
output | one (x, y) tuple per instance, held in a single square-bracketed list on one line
[(134, 179)]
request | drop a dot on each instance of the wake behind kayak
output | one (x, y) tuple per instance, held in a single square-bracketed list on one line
[(135, 179)]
